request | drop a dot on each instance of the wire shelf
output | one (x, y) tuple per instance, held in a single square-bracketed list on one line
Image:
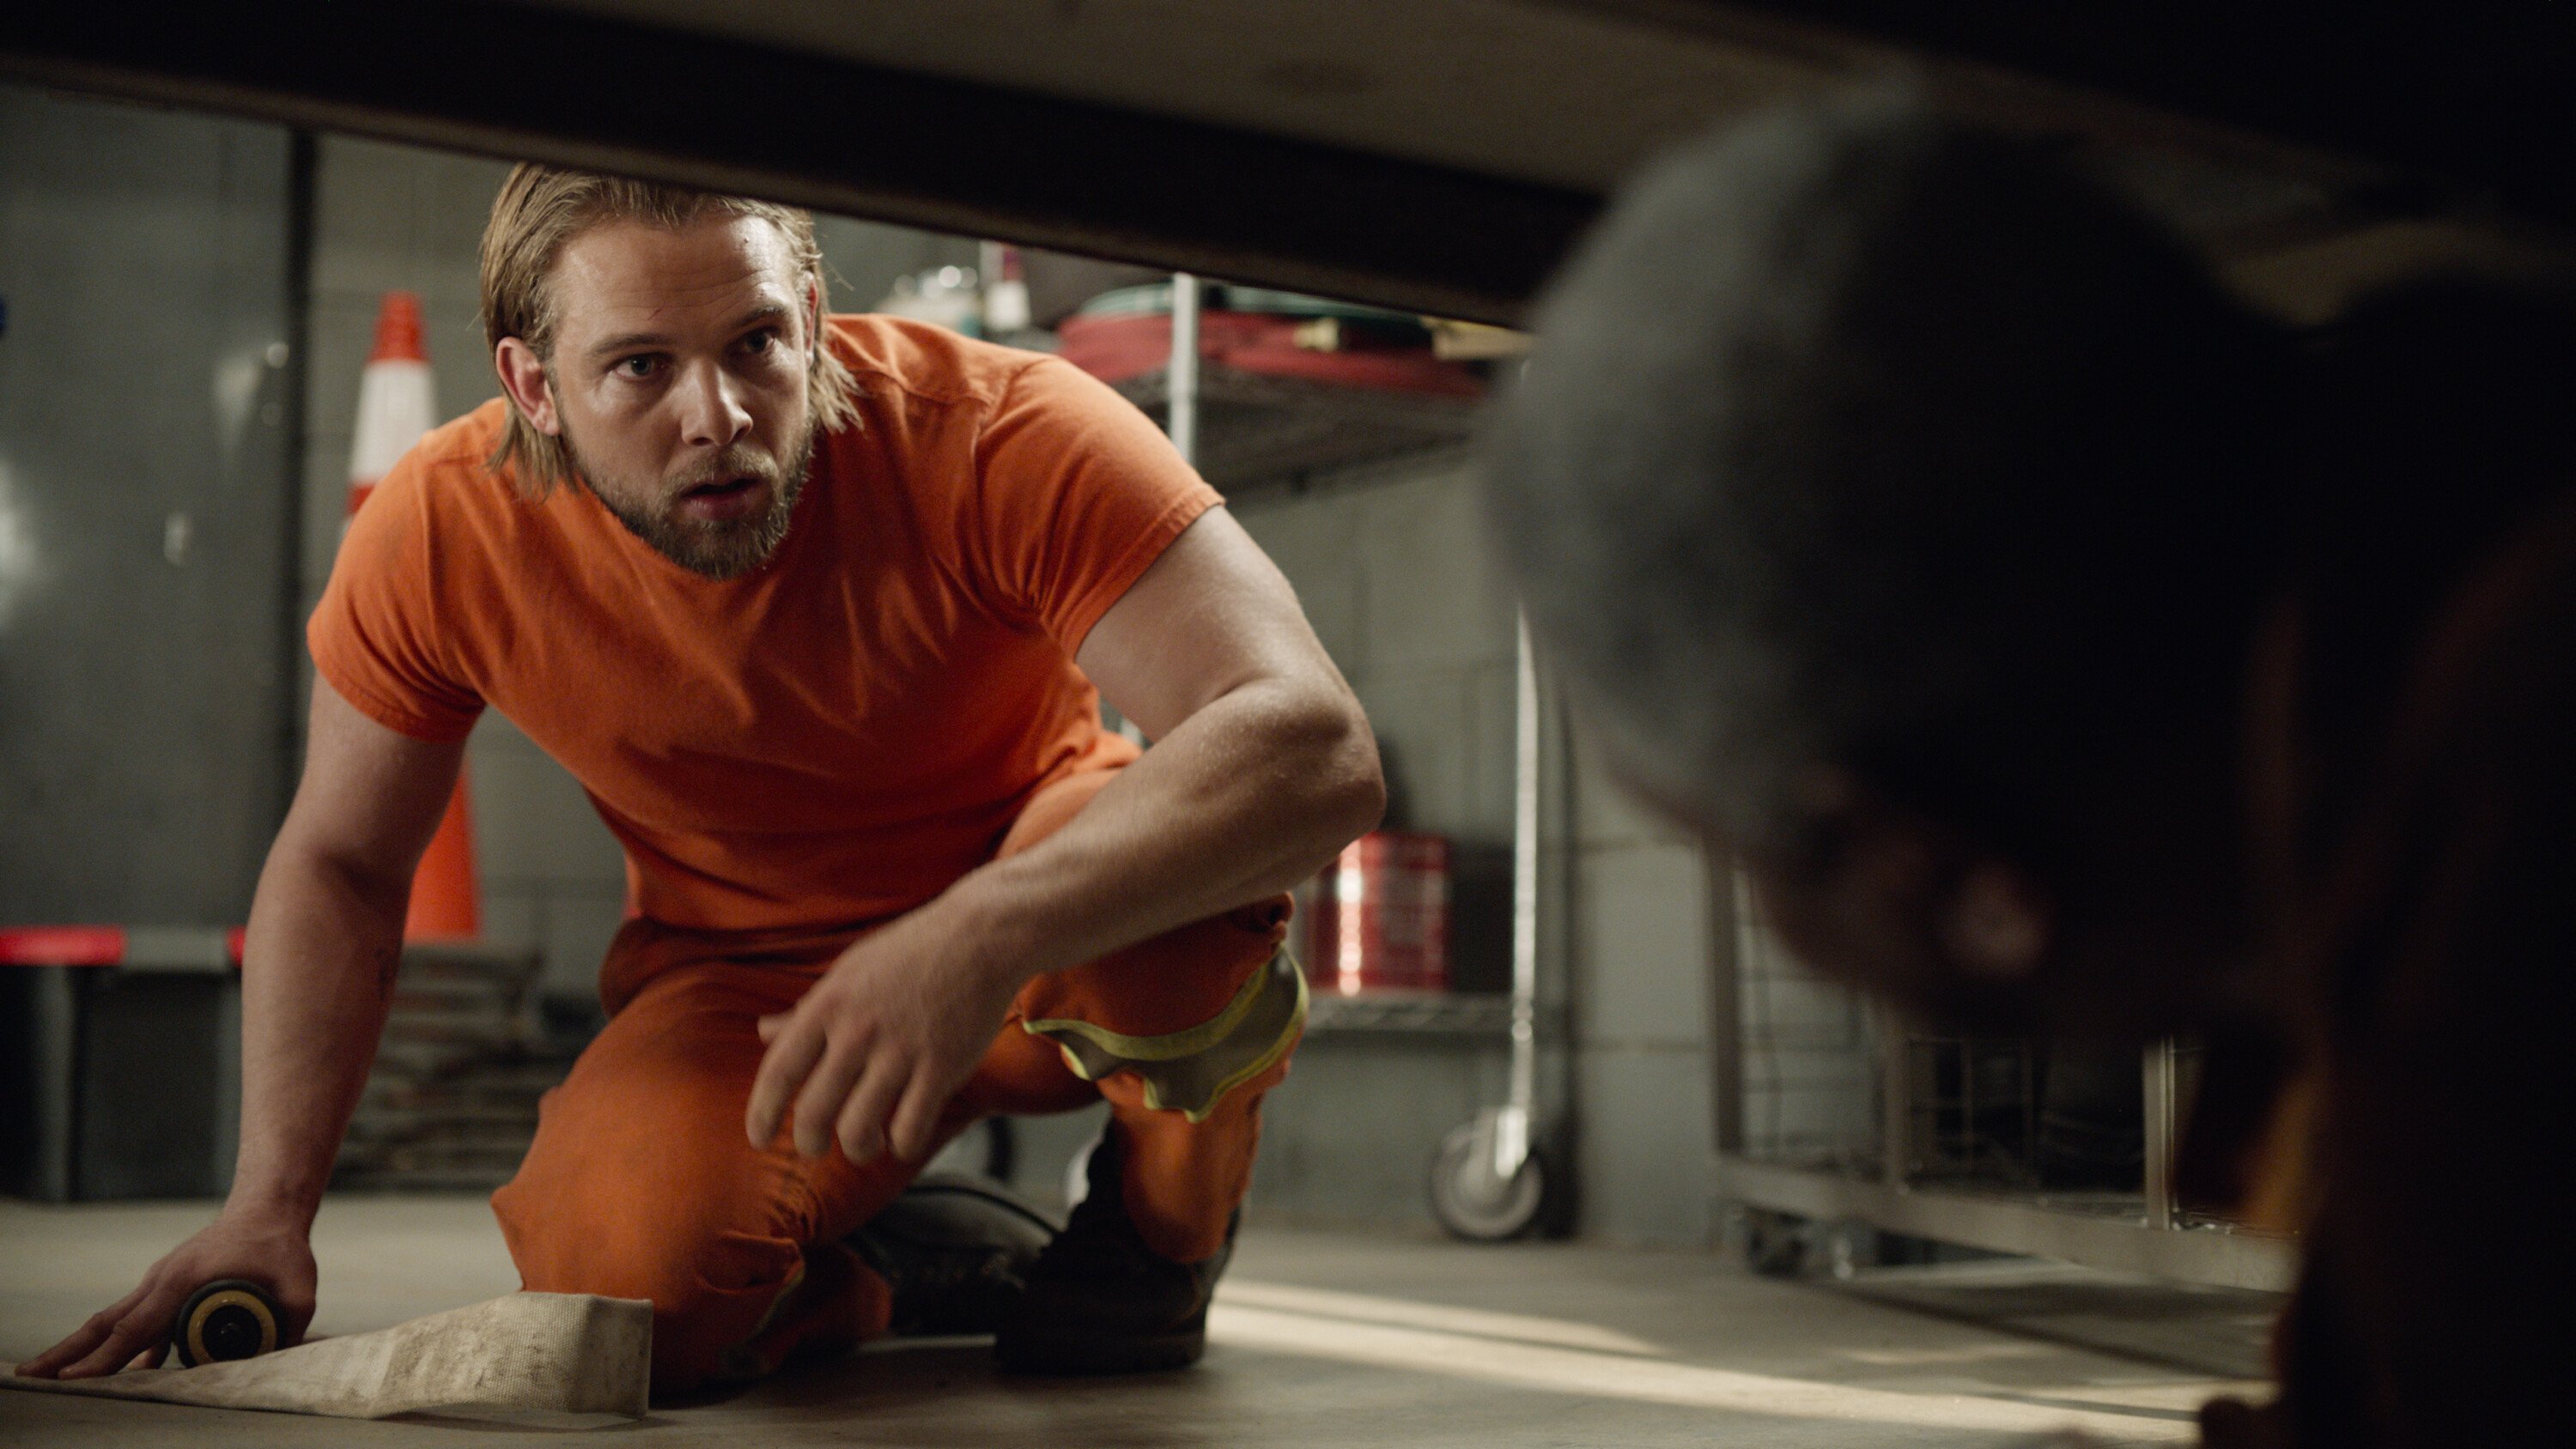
[(1427, 1012)]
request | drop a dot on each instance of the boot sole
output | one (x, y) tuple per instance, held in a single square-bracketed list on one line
[(1094, 1356)]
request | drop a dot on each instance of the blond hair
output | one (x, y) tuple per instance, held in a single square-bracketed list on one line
[(539, 210)]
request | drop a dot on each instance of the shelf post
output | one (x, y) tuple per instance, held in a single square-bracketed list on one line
[(2163, 1123), (1512, 1143), (1184, 367)]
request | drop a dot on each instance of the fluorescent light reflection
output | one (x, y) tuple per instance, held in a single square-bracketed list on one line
[(1559, 1356), (1368, 1308)]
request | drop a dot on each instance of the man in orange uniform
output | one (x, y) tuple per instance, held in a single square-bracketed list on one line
[(814, 608)]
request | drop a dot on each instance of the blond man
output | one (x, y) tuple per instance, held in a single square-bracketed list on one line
[(819, 609)]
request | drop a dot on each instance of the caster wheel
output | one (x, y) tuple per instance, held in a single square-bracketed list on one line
[(1473, 1202), (1775, 1244), (227, 1319)]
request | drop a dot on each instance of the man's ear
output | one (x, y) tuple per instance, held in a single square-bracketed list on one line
[(523, 377), (1995, 924), (813, 321)]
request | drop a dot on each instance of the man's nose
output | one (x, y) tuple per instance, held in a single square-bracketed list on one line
[(711, 410)]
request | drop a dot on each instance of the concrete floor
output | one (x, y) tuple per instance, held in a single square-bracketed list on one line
[(1320, 1338)]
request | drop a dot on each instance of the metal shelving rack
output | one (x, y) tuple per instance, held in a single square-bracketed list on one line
[(1258, 430), (1429, 1012), (1496, 1176), (1890, 1184), (1248, 430)]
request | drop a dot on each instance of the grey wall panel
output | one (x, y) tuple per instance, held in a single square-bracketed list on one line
[(144, 734), (865, 257)]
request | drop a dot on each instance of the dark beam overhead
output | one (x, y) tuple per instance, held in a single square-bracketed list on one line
[(2480, 95), (2476, 100), (525, 81)]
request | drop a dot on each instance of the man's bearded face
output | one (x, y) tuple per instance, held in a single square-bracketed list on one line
[(679, 382), (721, 518)]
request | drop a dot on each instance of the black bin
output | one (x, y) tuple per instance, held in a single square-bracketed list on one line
[(122, 1078)]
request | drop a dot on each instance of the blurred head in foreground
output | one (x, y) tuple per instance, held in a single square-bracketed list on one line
[(1899, 507)]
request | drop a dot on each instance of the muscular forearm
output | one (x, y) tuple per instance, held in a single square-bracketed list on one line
[(1247, 797), (1264, 768), (317, 979)]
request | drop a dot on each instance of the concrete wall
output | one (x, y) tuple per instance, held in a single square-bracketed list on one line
[(146, 273)]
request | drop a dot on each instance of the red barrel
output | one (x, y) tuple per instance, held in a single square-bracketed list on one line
[(1380, 916)]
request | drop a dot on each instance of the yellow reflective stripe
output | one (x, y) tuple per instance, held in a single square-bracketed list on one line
[(1187, 1042), (1287, 1038), (1177, 1083)]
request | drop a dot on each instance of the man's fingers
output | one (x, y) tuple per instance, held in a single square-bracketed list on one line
[(791, 1055), (916, 1122), (150, 1357), (862, 1127), (140, 1326), (820, 1102), (80, 1341), (52, 1361)]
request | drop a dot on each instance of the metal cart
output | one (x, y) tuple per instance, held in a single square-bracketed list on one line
[(1834, 1120)]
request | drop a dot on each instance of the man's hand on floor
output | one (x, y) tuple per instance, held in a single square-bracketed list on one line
[(134, 1331), (873, 1053)]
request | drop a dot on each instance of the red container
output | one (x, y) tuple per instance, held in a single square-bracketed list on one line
[(1380, 916)]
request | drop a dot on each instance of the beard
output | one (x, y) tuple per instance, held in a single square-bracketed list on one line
[(723, 548)]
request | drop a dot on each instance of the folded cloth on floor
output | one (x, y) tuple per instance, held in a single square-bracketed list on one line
[(567, 1353)]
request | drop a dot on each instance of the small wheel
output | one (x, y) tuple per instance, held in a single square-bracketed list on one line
[(227, 1319), (1775, 1244), (1473, 1202)]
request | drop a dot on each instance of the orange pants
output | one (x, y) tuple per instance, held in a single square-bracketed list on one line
[(640, 1184)]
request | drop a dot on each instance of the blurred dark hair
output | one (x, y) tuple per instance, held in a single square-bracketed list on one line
[(1856, 437), (2441, 417)]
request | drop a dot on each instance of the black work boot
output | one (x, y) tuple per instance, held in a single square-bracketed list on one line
[(1101, 1302), (957, 1251)]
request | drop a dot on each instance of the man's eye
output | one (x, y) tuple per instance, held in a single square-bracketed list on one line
[(759, 342), (638, 367)]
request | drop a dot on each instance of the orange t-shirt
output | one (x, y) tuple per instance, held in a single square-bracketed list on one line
[(837, 736)]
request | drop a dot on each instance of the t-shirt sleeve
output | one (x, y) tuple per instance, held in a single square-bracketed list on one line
[(1077, 493), (376, 635)]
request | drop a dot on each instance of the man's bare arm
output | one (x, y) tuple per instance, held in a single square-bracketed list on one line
[(317, 975), (1263, 767)]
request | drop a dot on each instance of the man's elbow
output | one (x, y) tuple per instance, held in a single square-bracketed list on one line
[(1357, 798), (375, 874)]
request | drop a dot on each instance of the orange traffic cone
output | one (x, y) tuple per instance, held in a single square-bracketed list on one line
[(446, 902), (395, 400), (395, 406)]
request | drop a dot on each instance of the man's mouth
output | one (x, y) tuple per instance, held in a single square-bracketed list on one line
[(722, 498)]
